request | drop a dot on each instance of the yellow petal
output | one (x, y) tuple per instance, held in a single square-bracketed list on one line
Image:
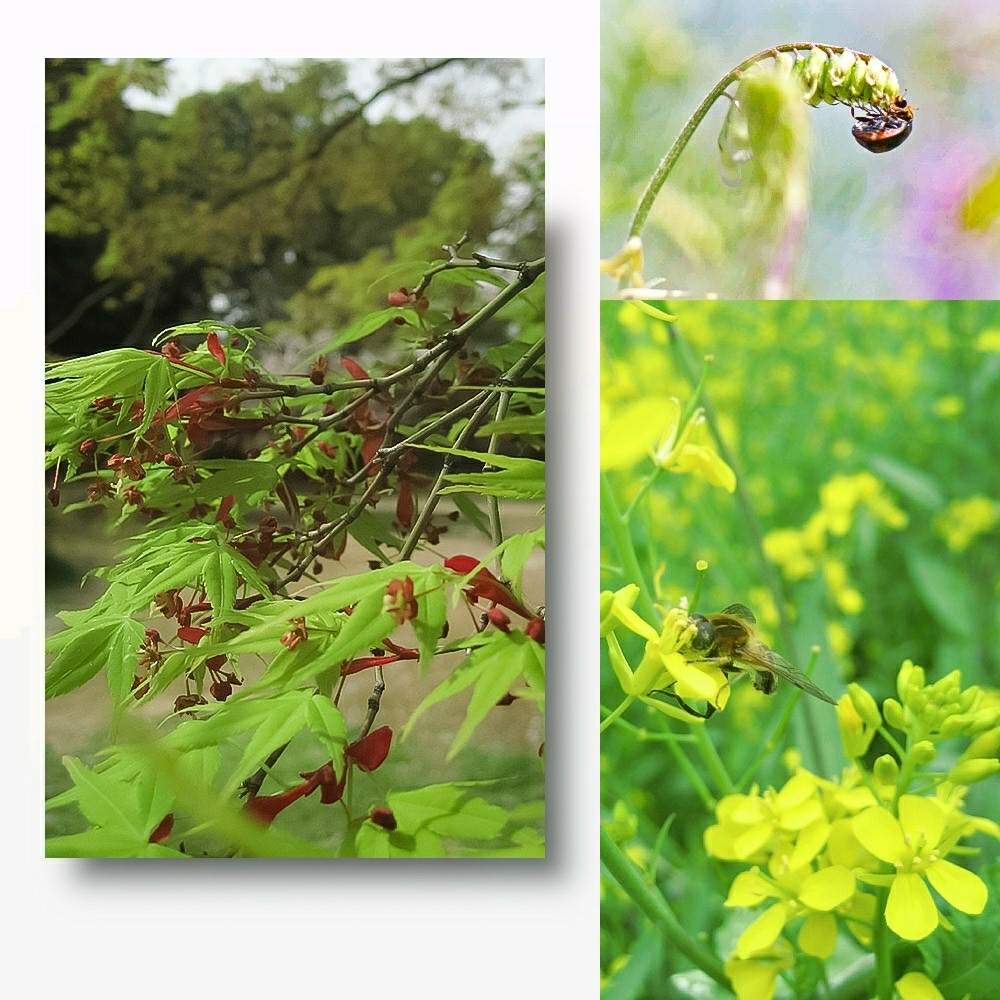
[(751, 841), (828, 888), (742, 809), (651, 670), (922, 821), (818, 935), (802, 815), (796, 790), (809, 843), (763, 932), (691, 681), (718, 841), (911, 912), (706, 463), (965, 890), (633, 622), (916, 986), (750, 888), (753, 979), (879, 832)]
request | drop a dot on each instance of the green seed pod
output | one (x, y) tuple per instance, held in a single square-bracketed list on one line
[(838, 76), (886, 770), (894, 713), (865, 705), (970, 771), (922, 752), (855, 86)]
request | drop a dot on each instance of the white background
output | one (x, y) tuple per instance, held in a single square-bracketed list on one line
[(287, 929)]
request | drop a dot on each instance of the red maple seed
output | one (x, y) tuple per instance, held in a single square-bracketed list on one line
[(498, 619), (88, 447), (535, 629), (215, 348), (370, 751), (383, 816), (191, 634), (221, 690), (162, 831)]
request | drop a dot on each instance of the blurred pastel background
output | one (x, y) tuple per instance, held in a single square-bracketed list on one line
[(922, 221)]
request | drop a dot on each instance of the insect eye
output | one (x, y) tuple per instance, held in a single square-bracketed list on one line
[(704, 637)]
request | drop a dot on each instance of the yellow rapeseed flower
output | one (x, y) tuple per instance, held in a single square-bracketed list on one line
[(916, 986), (685, 450), (913, 844), (962, 521)]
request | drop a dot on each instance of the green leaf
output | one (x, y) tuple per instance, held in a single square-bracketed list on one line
[(519, 424), (373, 841), (432, 614), (106, 844), (466, 506), (155, 393), (81, 655), (946, 593), (525, 481), (367, 325), (516, 553), (367, 626), (327, 723), (449, 810), (123, 658), (107, 803), (916, 486), (505, 662), (219, 577), (458, 680)]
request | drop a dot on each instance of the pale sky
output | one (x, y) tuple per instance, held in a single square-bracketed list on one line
[(501, 135)]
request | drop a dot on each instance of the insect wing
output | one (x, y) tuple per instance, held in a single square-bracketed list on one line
[(783, 669), (742, 612)]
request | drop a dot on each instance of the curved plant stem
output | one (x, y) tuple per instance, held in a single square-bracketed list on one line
[(650, 900), (662, 171), (615, 715)]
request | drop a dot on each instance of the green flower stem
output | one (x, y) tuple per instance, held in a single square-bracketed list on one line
[(673, 742), (777, 733), (650, 900), (770, 575), (662, 171), (617, 525), (716, 768), (618, 712), (882, 946)]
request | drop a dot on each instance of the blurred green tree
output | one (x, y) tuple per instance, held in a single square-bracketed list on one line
[(275, 199)]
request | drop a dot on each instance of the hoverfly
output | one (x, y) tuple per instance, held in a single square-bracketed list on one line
[(729, 638), (882, 129)]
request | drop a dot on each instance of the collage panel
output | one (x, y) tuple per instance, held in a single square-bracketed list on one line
[(800, 552), (295, 458), (782, 150)]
